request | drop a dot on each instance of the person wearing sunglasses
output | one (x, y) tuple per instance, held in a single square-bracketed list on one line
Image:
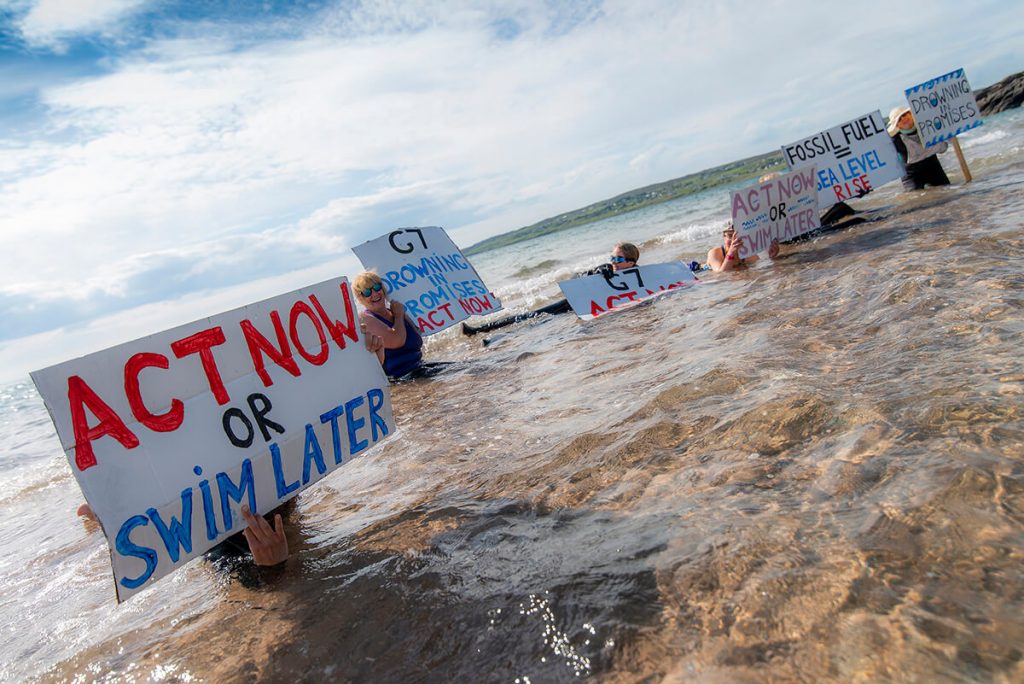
[(624, 255), (402, 351), (727, 258)]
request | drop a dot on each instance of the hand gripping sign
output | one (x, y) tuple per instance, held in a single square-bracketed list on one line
[(594, 295), (852, 158), (423, 269), (169, 435), (778, 209)]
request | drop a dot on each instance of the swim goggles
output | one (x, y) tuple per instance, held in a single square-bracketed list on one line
[(367, 291)]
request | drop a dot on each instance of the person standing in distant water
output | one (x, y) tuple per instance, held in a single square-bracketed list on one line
[(624, 255), (402, 352), (727, 257), (923, 167)]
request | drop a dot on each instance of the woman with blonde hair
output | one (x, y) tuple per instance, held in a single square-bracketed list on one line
[(402, 353)]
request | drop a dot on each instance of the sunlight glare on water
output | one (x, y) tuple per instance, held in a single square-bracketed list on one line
[(809, 471)]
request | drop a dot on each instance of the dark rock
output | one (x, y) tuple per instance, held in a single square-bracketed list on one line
[(998, 97)]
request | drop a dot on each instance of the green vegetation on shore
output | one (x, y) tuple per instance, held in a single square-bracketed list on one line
[(641, 197)]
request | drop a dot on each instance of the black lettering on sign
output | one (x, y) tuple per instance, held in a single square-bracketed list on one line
[(635, 272), (240, 417), (407, 248), (260, 414)]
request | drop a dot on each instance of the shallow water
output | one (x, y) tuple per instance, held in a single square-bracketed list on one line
[(810, 471)]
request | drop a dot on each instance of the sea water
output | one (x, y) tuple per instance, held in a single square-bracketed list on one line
[(811, 470)]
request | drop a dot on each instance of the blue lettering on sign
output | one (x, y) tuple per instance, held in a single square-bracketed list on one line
[(355, 445), (179, 533), (208, 512), (855, 167), (283, 489), (228, 490), (126, 547), (313, 453), (332, 417), (376, 398), (176, 534)]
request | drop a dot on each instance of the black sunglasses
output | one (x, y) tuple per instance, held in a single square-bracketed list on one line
[(616, 259)]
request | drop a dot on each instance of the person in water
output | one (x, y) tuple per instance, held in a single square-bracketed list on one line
[(402, 350), (726, 257), (268, 545), (624, 255), (923, 166)]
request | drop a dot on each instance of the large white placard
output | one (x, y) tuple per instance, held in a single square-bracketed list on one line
[(423, 269), (781, 208), (943, 107), (169, 435), (852, 158), (594, 295)]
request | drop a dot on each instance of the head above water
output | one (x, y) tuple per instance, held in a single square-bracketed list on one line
[(625, 255), (900, 117), (369, 282)]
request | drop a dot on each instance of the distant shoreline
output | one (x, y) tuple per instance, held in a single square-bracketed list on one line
[(1005, 94), (639, 198)]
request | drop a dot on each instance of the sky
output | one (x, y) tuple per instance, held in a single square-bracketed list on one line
[(164, 160)]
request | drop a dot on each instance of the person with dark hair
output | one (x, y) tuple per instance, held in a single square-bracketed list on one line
[(624, 255), (726, 257), (923, 166)]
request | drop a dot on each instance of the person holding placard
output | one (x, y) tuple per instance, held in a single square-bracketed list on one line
[(923, 166), (726, 257), (268, 545), (402, 350), (624, 255)]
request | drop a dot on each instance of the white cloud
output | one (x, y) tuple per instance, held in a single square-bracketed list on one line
[(48, 22), (203, 160)]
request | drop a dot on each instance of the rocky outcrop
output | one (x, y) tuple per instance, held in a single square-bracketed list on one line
[(1006, 94)]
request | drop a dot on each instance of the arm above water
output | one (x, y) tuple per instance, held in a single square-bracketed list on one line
[(392, 337)]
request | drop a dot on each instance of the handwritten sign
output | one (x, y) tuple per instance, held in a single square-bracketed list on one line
[(169, 435), (424, 270), (943, 107), (594, 295), (852, 158), (779, 209)]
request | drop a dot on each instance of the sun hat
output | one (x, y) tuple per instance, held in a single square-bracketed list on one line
[(894, 117)]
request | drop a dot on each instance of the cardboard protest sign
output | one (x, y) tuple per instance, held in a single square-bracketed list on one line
[(594, 295), (943, 107), (169, 435), (781, 208), (423, 269), (852, 158)]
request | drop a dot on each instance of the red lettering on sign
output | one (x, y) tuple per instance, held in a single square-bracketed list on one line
[(300, 307), (203, 343), (164, 422), (80, 397), (260, 345), (338, 330)]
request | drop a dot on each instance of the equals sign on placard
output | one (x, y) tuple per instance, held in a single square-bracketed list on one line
[(842, 152)]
